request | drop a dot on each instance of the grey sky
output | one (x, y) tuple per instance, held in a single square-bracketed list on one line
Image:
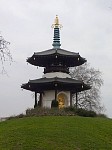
[(87, 29)]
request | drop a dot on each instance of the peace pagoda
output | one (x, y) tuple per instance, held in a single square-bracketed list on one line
[(56, 83)]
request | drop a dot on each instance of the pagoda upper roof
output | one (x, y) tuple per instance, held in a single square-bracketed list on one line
[(56, 51), (46, 57), (66, 84)]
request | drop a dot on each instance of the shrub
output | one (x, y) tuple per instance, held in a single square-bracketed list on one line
[(39, 103), (38, 111), (81, 112), (101, 115), (18, 116), (70, 109), (85, 113), (54, 103)]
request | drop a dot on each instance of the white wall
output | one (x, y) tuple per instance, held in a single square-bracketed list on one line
[(56, 74), (48, 96)]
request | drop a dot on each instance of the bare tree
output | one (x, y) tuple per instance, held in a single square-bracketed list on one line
[(89, 99), (5, 54)]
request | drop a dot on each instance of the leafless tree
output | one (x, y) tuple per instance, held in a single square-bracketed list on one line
[(90, 99), (5, 54)]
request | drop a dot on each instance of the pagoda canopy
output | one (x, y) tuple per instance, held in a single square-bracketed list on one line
[(56, 56), (66, 84)]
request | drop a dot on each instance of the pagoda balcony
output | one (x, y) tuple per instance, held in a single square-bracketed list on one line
[(56, 69)]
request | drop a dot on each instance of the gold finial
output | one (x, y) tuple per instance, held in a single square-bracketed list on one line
[(56, 23), (56, 20)]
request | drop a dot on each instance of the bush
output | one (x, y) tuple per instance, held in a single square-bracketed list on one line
[(54, 103), (102, 115), (18, 116), (55, 111), (70, 109), (81, 112), (85, 113), (38, 111), (39, 103)]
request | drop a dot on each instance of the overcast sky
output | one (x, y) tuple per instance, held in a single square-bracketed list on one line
[(26, 24)]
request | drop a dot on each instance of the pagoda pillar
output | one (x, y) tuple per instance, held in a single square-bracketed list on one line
[(56, 91), (56, 94), (76, 100), (40, 99), (35, 105)]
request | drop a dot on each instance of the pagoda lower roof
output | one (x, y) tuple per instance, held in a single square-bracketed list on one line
[(65, 84), (54, 55)]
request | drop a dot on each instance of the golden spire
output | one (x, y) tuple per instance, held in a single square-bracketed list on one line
[(56, 23)]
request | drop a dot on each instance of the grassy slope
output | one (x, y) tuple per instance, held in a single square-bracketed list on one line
[(56, 133)]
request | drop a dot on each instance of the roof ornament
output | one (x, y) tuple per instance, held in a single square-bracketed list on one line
[(56, 39), (56, 23)]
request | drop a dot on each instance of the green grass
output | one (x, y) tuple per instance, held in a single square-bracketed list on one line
[(56, 133)]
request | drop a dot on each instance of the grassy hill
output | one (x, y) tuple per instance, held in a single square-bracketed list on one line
[(56, 133)]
